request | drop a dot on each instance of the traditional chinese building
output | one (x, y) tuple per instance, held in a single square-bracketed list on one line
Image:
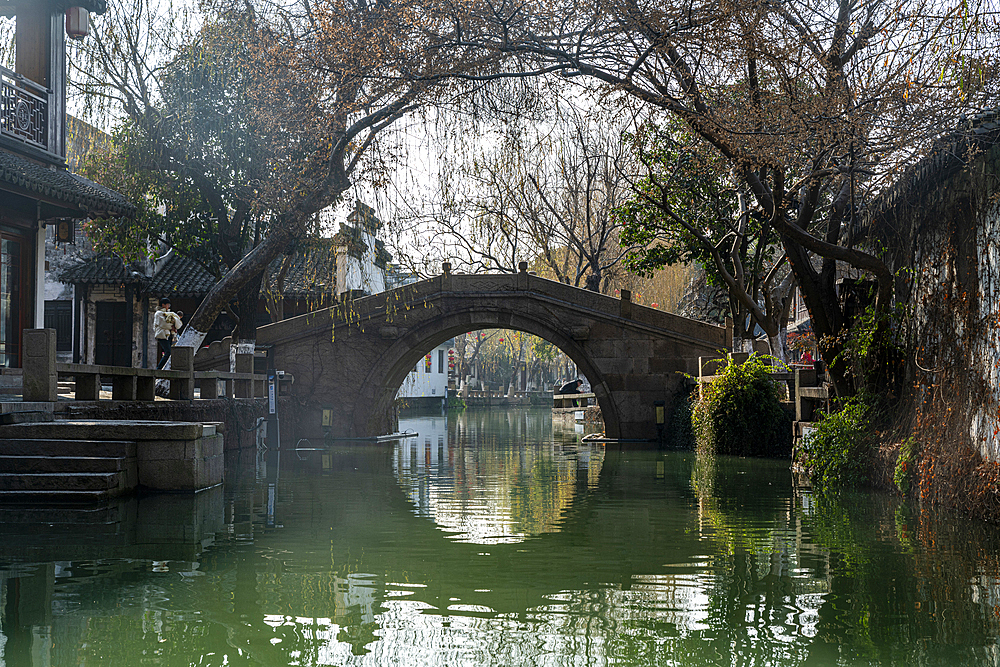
[(37, 189)]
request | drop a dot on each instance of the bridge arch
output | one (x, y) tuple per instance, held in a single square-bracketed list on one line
[(348, 361), (388, 374)]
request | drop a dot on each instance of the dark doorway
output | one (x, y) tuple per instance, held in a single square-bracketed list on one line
[(59, 316), (13, 317), (113, 344)]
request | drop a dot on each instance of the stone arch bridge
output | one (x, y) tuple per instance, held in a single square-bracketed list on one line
[(349, 360)]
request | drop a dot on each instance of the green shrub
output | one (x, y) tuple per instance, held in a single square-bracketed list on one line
[(839, 451), (740, 412), (905, 463)]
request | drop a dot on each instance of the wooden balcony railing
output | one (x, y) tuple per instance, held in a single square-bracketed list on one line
[(24, 109)]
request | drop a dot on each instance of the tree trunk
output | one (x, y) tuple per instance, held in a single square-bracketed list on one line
[(776, 347), (245, 331), (248, 268)]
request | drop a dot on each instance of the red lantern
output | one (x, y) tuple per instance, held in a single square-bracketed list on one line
[(77, 22)]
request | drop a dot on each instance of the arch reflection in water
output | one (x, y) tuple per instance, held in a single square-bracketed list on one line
[(493, 476), (663, 558)]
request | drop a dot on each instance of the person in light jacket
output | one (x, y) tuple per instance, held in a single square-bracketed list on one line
[(165, 325)]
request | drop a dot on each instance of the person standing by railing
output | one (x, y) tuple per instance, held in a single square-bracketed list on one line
[(572, 387), (165, 325)]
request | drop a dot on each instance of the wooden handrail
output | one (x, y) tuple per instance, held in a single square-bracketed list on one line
[(137, 384)]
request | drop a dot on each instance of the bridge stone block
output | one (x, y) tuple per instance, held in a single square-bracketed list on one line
[(631, 405), (615, 383), (646, 383), (661, 365)]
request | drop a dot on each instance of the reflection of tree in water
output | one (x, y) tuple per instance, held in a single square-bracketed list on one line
[(500, 477), (911, 588), (836, 578)]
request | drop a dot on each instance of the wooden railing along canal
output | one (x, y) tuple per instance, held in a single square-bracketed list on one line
[(41, 375)]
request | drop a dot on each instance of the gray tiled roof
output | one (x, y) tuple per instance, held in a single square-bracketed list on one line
[(73, 190), (181, 276), (949, 155), (313, 270), (94, 6), (102, 271)]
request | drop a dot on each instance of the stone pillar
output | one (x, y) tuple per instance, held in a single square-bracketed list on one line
[(40, 277), (39, 361), (182, 359), (244, 364), (210, 387)]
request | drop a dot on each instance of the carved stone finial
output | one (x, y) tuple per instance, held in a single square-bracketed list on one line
[(446, 268), (522, 267)]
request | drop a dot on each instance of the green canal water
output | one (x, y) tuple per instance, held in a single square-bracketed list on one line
[(498, 538)]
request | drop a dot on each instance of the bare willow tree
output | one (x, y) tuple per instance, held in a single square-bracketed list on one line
[(815, 106), (310, 87), (543, 193)]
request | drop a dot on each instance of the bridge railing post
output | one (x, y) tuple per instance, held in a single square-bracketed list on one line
[(445, 276), (626, 303)]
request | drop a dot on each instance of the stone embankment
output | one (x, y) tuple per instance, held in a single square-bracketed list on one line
[(91, 460)]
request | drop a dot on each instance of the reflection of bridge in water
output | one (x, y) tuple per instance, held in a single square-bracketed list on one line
[(349, 360), (627, 531)]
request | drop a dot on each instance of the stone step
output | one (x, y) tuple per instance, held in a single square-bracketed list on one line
[(68, 464), (26, 417), (50, 447), (59, 481), (52, 496), (57, 514), (94, 429), (57, 531)]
